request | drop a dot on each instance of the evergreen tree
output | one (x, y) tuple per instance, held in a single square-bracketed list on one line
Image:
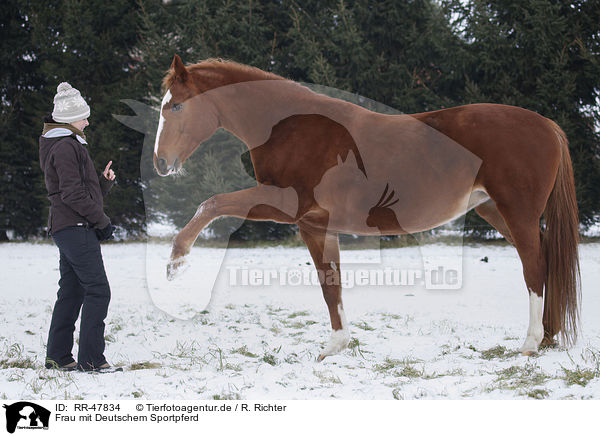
[(22, 196), (543, 55)]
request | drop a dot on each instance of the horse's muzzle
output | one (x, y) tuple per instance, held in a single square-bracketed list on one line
[(161, 166), (163, 169)]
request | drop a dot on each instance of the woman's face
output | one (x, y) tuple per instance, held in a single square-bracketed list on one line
[(81, 124)]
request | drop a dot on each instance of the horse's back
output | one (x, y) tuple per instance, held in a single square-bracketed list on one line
[(519, 148), (483, 128)]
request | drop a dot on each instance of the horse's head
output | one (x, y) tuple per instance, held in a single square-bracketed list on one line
[(187, 118)]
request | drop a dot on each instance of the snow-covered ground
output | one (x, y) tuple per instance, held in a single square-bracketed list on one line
[(261, 342)]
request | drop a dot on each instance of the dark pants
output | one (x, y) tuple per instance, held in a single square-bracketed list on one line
[(83, 286)]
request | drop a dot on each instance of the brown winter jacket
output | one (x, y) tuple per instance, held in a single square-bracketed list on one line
[(74, 189)]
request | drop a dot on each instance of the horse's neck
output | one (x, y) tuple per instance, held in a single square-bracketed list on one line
[(251, 109)]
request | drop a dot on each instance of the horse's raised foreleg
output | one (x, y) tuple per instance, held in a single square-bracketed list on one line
[(325, 252), (262, 202)]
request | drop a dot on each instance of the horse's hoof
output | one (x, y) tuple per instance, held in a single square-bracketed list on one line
[(529, 353), (548, 342), (338, 341), (175, 267)]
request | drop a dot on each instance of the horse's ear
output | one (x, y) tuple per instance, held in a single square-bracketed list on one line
[(180, 71), (351, 159)]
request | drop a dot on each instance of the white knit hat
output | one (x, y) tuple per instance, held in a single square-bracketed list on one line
[(69, 105)]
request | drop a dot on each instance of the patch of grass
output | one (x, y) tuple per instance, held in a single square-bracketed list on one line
[(24, 363), (592, 356), (326, 377), (229, 396), (297, 314), (270, 359), (410, 372), (144, 365), (363, 325), (447, 349), (274, 310), (454, 372), (579, 376), (183, 349), (217, 354), (50, 381), (15, 377), (400, 368), (233, 367), (354, 347), (244, 352), (538, 394), (35, 386), (493, 353), (201, 320), (389, 364), (498, 352), (116, 324), (518, 378), (292, 358), (15, 359), (137, 394)]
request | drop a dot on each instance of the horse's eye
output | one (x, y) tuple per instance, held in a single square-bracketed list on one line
[(177, 107)]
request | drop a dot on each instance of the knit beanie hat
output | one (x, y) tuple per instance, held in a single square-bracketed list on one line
[(69, 106)]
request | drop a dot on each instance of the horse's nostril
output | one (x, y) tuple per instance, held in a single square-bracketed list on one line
[(162, 165)]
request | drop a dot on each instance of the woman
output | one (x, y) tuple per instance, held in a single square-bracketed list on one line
[(77, 223)]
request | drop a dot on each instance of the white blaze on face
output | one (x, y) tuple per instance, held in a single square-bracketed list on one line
[(161, 121)]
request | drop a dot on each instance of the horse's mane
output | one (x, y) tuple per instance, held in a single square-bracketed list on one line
[(228, 72)]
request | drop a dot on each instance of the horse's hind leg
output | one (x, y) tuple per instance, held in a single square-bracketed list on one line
[(526, 236), (530, 254), (489, 212), (325, 252)]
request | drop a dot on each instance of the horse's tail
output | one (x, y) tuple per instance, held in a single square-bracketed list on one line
[(559, 245)]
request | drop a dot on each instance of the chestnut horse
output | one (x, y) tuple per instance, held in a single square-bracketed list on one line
[(333, 167)]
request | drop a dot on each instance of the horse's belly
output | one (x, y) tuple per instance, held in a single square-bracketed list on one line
[(358, 217)]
